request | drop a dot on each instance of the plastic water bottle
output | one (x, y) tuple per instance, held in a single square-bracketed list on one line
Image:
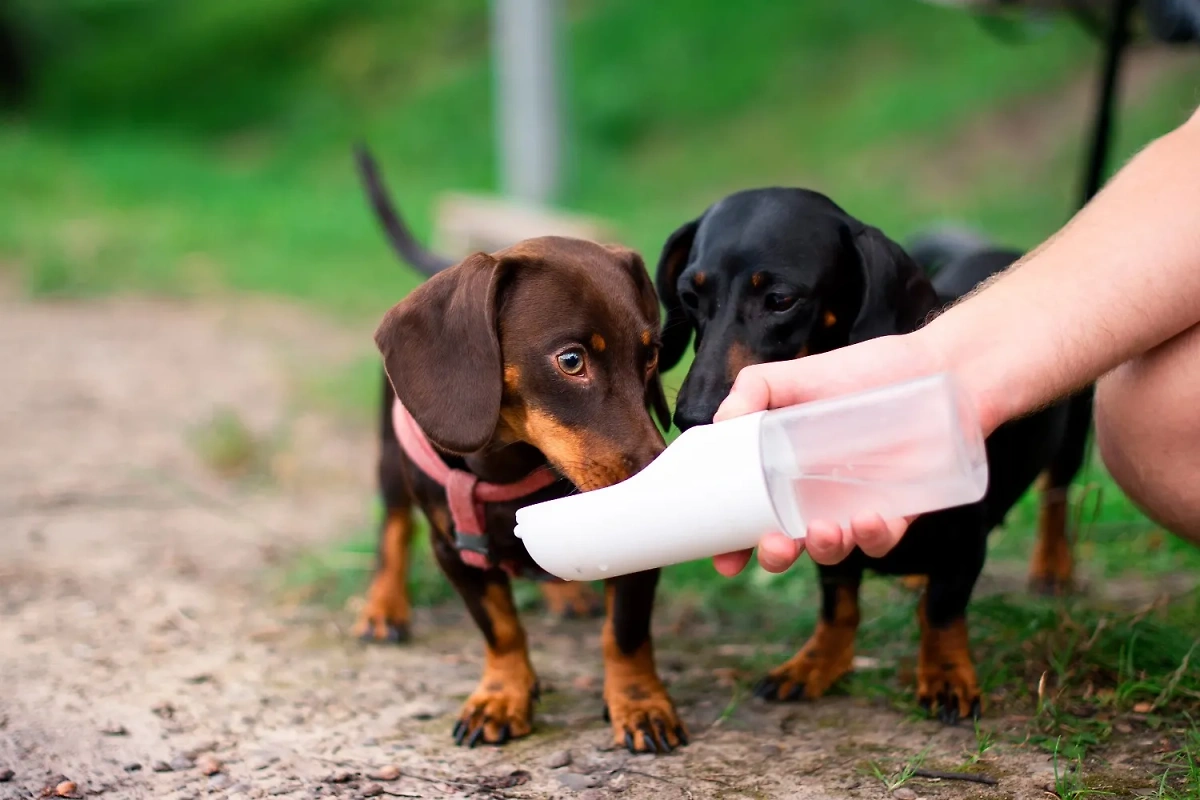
[(899, 450)]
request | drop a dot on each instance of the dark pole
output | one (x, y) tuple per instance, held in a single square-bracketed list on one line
[(1102, 126)]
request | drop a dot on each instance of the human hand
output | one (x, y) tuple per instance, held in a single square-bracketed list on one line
[(877, 362)]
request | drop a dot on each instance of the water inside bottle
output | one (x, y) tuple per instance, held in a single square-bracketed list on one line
[(900, 451), (842, 493)]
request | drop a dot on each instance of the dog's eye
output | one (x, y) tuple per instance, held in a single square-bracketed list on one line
[(571, 361), (777, 301), (652, 361)]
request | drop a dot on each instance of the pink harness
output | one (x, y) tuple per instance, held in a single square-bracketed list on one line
[(466, 494)]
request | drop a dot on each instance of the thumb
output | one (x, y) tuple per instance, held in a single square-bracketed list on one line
[(750, 393)]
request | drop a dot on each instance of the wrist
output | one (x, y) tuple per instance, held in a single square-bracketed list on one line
[(973, 364)]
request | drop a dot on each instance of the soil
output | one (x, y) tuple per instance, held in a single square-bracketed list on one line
[(145, 650)]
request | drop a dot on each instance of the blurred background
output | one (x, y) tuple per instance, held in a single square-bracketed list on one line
[(198, 155)]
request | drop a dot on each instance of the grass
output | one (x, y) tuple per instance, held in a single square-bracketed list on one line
[(894, 780)]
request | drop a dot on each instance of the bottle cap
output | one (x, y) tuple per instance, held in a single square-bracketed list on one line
[(706, 494)]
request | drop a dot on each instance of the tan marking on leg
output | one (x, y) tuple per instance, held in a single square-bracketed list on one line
[(1051, 566), (386, 613), (945, 674), (636, 699), (826, 656), (502, 703), (572, 599)]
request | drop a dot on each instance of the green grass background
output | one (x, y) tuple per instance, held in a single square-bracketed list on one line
[(187, 148)]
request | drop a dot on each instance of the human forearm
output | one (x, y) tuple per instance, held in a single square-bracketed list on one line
[(1121, 278)]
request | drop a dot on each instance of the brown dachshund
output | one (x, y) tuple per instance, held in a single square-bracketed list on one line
[(535, 366)]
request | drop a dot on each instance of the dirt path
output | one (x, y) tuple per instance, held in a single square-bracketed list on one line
[(139, 641)]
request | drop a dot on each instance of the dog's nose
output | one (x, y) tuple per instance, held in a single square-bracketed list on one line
[(690, 417)]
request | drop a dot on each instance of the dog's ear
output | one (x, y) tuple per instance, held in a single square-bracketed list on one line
[(897, 295), (676, 331), (656, 397), (441, 351)]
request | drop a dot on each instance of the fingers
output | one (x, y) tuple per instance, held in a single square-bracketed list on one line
[(777, 552), (876, 536), (730, 564), (828, 543)]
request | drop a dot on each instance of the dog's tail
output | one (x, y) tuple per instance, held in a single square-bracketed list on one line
[(403, 242)]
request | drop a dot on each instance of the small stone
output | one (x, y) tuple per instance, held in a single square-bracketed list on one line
[(199, 749), (65, 789), (114, 730), (372, 790), (559, 759), (389, 773), (132, 766), (6, 775), (180, 762), (618, 784), (576, 782), (340, 777), (219, 781), (1123, 727), (161, 766), (208, 765), (1143, 708), (904, 793)]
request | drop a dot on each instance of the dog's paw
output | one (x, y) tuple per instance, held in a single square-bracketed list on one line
[(385, 614), (946, 684), (825, 657), (914, 583), (572, 600), (371, 628), (1051, 570), (643, 717), (500, 708)]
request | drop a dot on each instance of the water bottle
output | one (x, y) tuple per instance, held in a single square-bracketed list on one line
[(898, 450)]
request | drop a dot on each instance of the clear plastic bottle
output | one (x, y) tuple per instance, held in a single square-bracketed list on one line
[(899, 450)]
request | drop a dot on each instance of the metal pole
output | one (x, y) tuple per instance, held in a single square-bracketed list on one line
[(1102, 125), (526, 105)]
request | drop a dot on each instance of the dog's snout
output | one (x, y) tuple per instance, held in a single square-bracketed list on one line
[(691, 417)]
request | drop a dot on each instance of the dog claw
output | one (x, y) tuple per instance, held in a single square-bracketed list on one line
[(976, 709), (505, 734), (629, 742), (607, 716), (460, 730), (476, 737), (681, 734), (764, 688), (663, 739), (794, 693), (648, 737)]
